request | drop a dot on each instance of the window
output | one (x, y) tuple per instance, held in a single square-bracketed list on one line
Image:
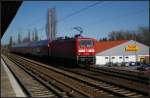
[(120, 57), (87, 43), (113, 57), (127, 57), (106, 57)]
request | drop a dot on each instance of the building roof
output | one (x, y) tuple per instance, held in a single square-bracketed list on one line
[(104, 45)]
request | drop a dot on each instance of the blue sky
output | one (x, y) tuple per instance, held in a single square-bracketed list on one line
[(96, 21)]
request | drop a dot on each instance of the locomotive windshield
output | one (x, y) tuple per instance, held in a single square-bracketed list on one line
[(87, 43)]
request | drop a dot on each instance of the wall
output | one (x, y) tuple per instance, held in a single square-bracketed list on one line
[(117, 52)]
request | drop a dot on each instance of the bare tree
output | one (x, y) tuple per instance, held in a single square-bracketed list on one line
[(120, 35), (33, 37), (25, 40), (51, 24), (36, 34), (29, 38), (112, 35), (19, 38), (141, 34)]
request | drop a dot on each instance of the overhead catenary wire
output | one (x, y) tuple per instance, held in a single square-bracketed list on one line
[(121, 16), (67, 16), (111, 19), (81, 10), (114, 18), (103, 20), (84, 9), (72, 14), (76, 12)]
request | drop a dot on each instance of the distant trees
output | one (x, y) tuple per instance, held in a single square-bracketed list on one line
[(35, 36), (121, 35), (19, 38), (28, 38), (141, 35), (25, 40), (103, 39)]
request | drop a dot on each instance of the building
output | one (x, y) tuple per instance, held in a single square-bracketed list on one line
[(121, 51)]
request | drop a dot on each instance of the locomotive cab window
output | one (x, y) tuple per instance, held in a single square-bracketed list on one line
[(87, 43)]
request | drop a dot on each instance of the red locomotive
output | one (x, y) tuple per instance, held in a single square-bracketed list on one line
[(76, 50)]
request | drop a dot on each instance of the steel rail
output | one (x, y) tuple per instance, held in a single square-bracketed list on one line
[(81, 79)]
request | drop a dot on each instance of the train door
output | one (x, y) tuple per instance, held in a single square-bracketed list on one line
[(141, 58)]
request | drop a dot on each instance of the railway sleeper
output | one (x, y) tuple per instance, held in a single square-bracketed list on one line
[(59, 93), (43, 83), (106, 86), (121, 75), (53, 82), (117, 84), (130, 94), (119, 90), (68, 91)]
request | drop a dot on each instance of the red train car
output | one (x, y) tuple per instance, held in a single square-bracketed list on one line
[(78, 50)]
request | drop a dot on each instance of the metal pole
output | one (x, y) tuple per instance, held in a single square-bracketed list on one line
[(135, 52)]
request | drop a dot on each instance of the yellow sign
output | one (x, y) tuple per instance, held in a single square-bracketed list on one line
[(131, 47)]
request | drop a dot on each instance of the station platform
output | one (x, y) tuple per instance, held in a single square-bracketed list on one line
[(9, 85)]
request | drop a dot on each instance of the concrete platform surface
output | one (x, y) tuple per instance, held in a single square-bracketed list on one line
[(9, 85)]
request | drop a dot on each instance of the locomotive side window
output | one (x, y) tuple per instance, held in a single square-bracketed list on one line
[(87, 43)]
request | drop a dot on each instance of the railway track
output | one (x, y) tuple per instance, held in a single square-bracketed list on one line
[(125, 75), (30, 86), (71, 86), (124, 71), (137, 76), (79, 83), (125, 83)]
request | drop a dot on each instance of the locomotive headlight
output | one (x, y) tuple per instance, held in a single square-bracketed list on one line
[(91, 50), (81, 50)]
